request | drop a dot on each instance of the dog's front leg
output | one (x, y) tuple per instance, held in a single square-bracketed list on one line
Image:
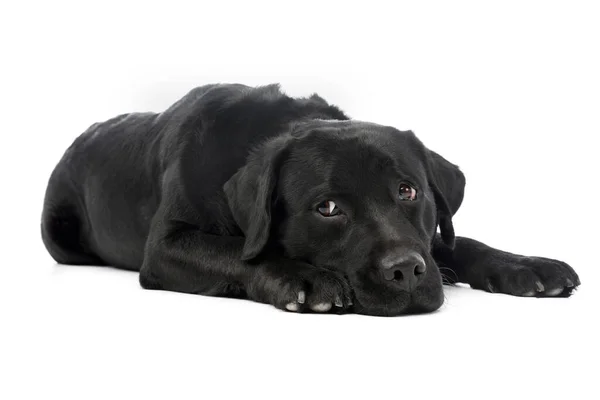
[(192, 261), (493, 270)]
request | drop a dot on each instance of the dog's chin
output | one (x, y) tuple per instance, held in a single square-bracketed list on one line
[(387, 303), (403, 304)]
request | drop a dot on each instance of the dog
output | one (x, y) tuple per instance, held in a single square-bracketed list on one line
[(246, 192)]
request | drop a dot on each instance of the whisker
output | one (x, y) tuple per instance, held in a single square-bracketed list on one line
[(449, 279), (445, 280)]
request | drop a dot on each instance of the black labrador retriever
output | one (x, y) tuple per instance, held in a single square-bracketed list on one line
[(245, 192)]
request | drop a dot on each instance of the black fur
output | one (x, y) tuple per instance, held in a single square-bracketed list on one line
[(218, 196)]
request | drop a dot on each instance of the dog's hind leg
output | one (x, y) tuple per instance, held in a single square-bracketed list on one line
[(497, 271), (64, 225)]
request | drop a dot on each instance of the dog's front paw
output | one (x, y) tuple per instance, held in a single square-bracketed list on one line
[(526, 276), (300, 287)]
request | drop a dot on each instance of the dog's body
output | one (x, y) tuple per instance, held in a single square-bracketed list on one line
[(246, 192)]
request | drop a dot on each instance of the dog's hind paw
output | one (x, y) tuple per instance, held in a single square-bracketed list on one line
[(527, 276)]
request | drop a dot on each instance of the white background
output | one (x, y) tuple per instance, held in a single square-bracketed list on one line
[(510, 91)]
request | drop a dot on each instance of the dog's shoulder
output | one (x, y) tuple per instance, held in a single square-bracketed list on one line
[(218, 126), (229, 106)]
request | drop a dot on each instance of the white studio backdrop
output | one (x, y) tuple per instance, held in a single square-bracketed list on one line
[(509, 91)]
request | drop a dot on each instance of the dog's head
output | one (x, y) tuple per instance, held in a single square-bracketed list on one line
[(356, 197)]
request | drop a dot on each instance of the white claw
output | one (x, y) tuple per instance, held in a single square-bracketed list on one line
[(554, 292), (321, 307), (540, 287), (292, 306), (570, 283), (301, 297), (338, 302), (529, 294)]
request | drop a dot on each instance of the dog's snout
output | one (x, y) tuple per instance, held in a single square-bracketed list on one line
[(406, 269)]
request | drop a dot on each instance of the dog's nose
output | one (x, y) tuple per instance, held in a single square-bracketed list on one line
[(406, 269)]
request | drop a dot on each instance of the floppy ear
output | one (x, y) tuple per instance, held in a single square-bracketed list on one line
[(250, 191), (448, 185)]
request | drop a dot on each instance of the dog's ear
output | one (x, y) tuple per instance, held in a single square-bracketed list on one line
[(250, 193), (448, 185)]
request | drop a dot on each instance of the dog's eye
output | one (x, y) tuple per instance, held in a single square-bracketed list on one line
[(407, 192), (328, 209)]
